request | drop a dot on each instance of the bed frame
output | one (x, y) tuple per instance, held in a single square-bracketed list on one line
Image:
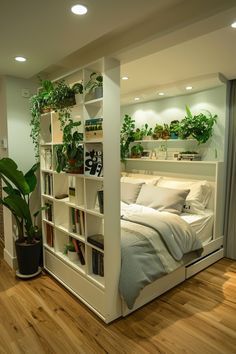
[(213, 172)]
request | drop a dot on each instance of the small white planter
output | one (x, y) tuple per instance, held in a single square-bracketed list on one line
[(72, 255)]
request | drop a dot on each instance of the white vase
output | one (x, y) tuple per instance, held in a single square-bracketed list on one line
[(72, 255)]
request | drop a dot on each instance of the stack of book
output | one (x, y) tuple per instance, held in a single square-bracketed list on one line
[(97, 263), (77, 221), (80, 249), (49, 235), (48, 184), (49, 211)]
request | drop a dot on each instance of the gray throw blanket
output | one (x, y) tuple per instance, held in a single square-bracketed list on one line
[(152, 244)]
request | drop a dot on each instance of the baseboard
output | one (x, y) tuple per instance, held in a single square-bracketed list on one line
[(11, 261)]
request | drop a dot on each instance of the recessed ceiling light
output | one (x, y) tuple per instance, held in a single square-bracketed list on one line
[(188, 87), (137, 98), (161, 93), (20, 59), (125, 78), (233, 25), (79, 9)]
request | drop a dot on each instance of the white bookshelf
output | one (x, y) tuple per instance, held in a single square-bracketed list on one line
[(96, 281)]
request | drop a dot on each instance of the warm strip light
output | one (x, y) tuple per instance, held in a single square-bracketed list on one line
[(188, 87), (79, 9), (161, 94), (137, 98), (21, 59), (233, 25), (125, 78)]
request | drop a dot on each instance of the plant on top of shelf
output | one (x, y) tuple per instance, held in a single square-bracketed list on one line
[(166, 132), (40, 103), (136, 151), (57, 96), (70, 155), (95, 85), (199, 126), (127, 135), (157, 131), (18, 189), (146, 132), (174, 129)]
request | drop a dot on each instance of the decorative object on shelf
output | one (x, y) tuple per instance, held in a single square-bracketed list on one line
[(146, 154), (70, 155), (174, 129), (189, 156), (166, 132), (157, 132), (70, 251), (18, 190), (136, 151), (93, 129), (146, 132), (94, 87), (93, 164), (127, 136), (199, 126)]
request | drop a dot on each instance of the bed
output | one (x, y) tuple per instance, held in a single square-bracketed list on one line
[(150, 263)]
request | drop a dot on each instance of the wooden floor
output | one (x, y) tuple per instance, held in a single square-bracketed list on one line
[(199, 316)]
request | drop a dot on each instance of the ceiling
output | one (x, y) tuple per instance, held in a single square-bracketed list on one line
[(163, 45)]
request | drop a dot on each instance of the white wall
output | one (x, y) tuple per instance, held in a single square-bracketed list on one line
[(20, 147), (168, 109)]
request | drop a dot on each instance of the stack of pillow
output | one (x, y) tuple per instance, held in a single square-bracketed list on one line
[(165, 194)]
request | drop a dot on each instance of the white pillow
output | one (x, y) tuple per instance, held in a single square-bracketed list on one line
[(198, 197), (162, 199), (129, 192)]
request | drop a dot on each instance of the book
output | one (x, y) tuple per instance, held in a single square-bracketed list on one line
[(81, 216), (78, 250), (96, 240), (95, 261), (73, 222), (49, 235), (100, 201)]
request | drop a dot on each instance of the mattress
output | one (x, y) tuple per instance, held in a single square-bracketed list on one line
[(202, 224)]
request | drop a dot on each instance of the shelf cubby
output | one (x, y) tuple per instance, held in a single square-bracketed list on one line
[(61, 215), (92, 187), (76, 190), (60, 184), (47, 183)]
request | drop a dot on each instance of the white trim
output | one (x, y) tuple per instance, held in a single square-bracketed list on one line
[(11, 261)]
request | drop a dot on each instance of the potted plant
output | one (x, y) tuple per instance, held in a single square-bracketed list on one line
[(70, 155), (18, 189), (166, 132), (40, 103), (70, 251), (136, 151), (174, 129), (146, 132), (127, 136), (94, 87), (157, 132), (199, 127)]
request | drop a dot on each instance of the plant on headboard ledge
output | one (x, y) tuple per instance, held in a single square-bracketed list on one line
[(199, 126)]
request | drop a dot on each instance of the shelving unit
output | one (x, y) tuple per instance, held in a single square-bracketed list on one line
[(94, 279)]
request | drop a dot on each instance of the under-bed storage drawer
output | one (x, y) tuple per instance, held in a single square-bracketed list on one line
[(81, 287), (204, 263)]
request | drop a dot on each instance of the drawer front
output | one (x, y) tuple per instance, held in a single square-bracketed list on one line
[(80, 286)]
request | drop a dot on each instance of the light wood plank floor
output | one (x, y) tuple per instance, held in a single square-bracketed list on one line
[(199, 316)]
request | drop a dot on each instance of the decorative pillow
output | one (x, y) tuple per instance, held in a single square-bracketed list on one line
[(198, 197), (163, 199), (147, 180), (129, 192)]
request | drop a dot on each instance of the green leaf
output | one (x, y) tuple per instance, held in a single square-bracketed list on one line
[(31, 178), (9, 169), (188, 112)]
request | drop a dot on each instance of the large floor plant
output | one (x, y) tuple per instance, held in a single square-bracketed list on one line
[(18, 189)]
